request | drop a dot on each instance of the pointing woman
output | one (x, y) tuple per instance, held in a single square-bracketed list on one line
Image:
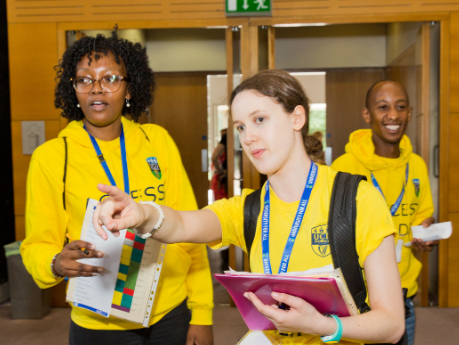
[(270, 112)]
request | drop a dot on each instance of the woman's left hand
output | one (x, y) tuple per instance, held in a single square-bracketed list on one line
[(200, 335), (299, 317)]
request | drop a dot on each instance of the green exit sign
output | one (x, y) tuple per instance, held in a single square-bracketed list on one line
[(242, 8)]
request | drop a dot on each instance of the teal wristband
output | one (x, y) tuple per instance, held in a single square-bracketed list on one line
[(335, 337)]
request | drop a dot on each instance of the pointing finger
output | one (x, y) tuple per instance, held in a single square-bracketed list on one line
[(96, 222), (117, 194)]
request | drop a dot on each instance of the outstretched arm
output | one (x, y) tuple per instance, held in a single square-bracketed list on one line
[(118, 211)]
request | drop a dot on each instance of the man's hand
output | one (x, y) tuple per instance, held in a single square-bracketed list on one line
[(420, 244), (200, 335)]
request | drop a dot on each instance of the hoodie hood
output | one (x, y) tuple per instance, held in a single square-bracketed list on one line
[(76, 132), (361, 146)]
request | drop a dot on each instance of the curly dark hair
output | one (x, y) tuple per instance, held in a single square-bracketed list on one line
[(142, 79)]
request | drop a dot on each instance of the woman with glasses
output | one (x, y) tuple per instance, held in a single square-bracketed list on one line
[(99, 80)]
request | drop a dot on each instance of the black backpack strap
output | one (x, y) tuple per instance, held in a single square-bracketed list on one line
[(65, 170), (251, 212), (341, 235)]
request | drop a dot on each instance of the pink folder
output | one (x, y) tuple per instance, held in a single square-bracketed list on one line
[(322, 293)]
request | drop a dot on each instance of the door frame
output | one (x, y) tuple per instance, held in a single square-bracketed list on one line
[(249, 66)]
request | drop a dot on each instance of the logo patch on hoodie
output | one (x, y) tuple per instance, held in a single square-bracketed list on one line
[(416, 187), (154, 167), (319, 240)]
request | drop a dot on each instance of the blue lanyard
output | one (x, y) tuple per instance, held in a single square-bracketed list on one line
[(104, 163), (395, 206), (295, 227)]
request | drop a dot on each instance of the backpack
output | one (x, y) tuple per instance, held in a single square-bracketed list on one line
[(341, 229)]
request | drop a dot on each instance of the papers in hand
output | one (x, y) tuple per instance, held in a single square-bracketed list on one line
[(254, 337), (327, 292), (96, 293), (127, 287), (438, 231)]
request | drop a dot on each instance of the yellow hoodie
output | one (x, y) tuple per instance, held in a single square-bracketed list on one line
[(186, 270), (417, 205)]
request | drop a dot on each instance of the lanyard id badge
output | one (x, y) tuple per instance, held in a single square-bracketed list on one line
[(295, 226), (104, 163), (395, 206)]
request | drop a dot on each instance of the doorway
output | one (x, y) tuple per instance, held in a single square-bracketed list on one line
[(355, 56)]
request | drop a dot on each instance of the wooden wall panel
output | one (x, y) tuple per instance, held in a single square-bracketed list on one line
[(345, 94), (180, 106), (292, 8), (454, 63), (403, 70), (32, 11), (453, 264), (20, 227), (444, 188), (230, 130), (249, 67), (33, 55), (21, 166), (454, 162)]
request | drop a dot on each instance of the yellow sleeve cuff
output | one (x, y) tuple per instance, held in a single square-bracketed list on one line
[(201, 317)]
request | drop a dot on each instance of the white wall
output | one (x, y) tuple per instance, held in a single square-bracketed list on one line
[(331, 46), (400, 36), (179, 50), (313, 84)]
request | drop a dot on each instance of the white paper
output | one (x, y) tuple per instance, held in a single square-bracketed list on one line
[(254, 338), (313, 271), (96, 293), (438, 231), (398, 250)]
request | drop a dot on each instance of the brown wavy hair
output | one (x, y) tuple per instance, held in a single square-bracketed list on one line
[(286, 91)]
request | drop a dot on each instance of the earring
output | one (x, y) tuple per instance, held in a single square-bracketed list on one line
[(127, 103), (78, 105)]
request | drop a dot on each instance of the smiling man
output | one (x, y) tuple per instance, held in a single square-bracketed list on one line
[(385, 156)]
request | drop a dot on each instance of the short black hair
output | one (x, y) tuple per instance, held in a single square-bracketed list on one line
[(142, 79), (370, 91)]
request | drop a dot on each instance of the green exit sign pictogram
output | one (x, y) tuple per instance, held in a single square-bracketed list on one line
[(242, 8)]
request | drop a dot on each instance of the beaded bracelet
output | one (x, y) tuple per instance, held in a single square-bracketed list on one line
[(158, 223), (52, 267)]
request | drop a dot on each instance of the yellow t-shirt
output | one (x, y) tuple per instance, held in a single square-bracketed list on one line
[(390, 173), (311, 249)]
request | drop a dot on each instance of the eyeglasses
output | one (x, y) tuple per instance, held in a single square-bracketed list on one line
[(108, 83)]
